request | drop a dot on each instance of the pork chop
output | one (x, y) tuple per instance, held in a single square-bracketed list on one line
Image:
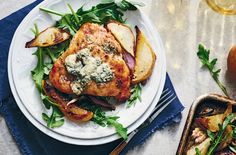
[(103, 46)]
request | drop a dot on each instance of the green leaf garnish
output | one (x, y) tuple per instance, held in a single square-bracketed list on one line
[(41, 70), (220, 135), (203, 55), (55, 119), (211, 135), (38, 71), (73, 13), (100, 118), (198, 152), (234, 132), (101, 13), (135, 95)]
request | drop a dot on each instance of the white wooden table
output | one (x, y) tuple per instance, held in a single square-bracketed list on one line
[(182, 24)]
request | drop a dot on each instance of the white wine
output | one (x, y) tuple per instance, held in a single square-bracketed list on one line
[(227, 7)]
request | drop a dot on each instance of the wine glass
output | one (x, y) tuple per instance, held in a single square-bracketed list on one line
[(227, 7)]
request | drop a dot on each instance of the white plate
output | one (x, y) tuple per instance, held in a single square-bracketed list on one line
[(21, 62)]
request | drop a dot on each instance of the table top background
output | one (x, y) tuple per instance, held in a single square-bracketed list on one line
[(182, 25)]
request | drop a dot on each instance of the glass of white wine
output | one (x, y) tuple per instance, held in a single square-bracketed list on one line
[(227, 7)]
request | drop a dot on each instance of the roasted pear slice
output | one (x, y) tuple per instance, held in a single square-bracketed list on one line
[(48, 37), (71, 111), (202, 147), (123, 34), (144, 58), (212, 122)]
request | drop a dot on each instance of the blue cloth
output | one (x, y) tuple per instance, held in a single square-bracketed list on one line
[(29, 139)]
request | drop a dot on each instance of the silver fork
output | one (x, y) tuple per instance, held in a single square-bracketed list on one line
[(166, 98)]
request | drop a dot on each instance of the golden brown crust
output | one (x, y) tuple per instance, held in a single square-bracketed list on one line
[(94, 36)]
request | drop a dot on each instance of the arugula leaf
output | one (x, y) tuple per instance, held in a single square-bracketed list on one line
[(211, 135), (227, 136), (56, 51), (112, 121), (47, 101), (198, 152), (64, 22), (219, 137), (135, 95), (67, 22), (203, 55), (51, 55), (101, 13), (101, 119), (38, 73), (234, 132), (56, 118), (35, 30), (73, 13)]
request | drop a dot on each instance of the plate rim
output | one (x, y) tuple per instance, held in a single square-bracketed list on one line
[(94, 141)]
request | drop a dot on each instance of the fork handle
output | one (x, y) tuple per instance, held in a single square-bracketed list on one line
[(122, 145), (119, 148)]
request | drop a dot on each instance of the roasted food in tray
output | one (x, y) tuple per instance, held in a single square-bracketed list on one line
[(210, 128)]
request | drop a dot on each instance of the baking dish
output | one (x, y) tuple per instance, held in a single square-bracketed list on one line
[(204, 101)]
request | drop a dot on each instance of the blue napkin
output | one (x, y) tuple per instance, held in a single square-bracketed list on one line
[(29, 139)]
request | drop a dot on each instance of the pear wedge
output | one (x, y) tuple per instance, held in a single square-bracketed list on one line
[(144, 58), (48, 37), (202, 147), (212, 122), (123, 35)]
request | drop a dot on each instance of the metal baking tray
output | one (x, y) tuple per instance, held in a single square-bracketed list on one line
[(208, 100)]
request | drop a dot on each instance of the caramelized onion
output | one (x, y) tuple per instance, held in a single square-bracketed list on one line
[(130, 61)]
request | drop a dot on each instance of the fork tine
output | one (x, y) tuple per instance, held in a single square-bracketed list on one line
[(162, 103), (164, 94), (160, 108), (164, 91), (165, 100)]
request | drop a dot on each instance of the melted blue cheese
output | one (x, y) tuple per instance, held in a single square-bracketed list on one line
[(87, 68), (102, 74)]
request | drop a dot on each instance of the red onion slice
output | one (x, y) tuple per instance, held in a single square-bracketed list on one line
[(130, 61), (101, 103)]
